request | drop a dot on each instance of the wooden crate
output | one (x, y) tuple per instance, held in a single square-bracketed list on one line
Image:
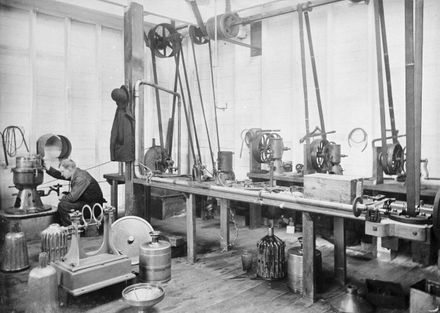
[(335, 188), (167, 205)]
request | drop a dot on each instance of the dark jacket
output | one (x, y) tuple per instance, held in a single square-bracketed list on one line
[(122, 140), (83, 187)]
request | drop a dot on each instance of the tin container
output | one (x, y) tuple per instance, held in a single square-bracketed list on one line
[(54, 242), (155, 260)]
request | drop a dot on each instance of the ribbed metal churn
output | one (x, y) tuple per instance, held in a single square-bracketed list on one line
[(271, 259), (54, 242), (295, 267), (42, 288), (14, 253), (155, 260)]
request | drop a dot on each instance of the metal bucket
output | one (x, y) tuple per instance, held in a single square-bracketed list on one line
[(54, 242), (15, 253), (155, 260), (295, 268)]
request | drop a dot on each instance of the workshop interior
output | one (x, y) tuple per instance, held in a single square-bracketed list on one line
[(219, 156)]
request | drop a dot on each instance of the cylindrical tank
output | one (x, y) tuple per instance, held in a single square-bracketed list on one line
[(225, 164), (271, 259), (155, 260), (295, 268), (54, 242), (42, 288), (277, 147), (15, 252)]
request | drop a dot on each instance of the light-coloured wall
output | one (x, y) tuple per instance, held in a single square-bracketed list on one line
[(267, 92), (56, 75)]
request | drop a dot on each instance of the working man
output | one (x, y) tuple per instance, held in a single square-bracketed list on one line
[(84, 189)]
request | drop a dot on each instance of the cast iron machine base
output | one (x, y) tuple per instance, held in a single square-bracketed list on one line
[(81, 272)]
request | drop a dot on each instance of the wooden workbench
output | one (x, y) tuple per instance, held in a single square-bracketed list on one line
[(254, 197)]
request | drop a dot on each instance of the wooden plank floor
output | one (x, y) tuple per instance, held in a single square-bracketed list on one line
[(216, 283)]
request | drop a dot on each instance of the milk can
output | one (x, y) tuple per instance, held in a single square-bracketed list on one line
[(155, 260), (14, 252), (42, 288), (295, 268), (271, 259)]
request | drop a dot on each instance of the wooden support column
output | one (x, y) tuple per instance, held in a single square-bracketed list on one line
[(340, 254), (191, 228), (254, 215), (224, 224), (134, 70), (114, 197), (309, 275)]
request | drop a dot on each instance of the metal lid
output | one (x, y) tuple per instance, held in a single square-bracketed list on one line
[(127, 235)]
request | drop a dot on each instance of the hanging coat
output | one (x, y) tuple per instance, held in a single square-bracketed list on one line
[(122, 138)]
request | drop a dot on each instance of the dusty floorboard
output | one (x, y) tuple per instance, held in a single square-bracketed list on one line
[(216, 283)]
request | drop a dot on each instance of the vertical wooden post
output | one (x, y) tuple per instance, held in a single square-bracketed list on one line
[(339, 253), (114, 197), (309, 275), (254, 215), (224, 224), (191, 228), (134, 70)]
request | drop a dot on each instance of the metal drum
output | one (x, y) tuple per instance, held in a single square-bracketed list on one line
[(54, 242), (155, 260), (15, 252), (271, 259), (42, 288), (225, 165), (295, 268), (28, 172)]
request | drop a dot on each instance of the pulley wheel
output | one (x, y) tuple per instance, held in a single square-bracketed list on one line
[(318, 155), (196, 35), (436, 215), (155, 158), (226, 28), (128, 233), (392, 162), (164, 40)]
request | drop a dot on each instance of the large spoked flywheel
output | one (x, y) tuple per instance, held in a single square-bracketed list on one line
[(262, 152), (155, 159), (392, 162), (318, 154)]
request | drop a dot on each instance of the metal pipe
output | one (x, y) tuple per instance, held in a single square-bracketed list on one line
[(262, 16), (137, 86)]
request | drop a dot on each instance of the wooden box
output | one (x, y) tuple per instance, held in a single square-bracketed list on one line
[(335, 188), (167, 204)]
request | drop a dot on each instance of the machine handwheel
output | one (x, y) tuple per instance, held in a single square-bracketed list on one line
[(318, 154), (196, 35), (357, 212), (164, 40)]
